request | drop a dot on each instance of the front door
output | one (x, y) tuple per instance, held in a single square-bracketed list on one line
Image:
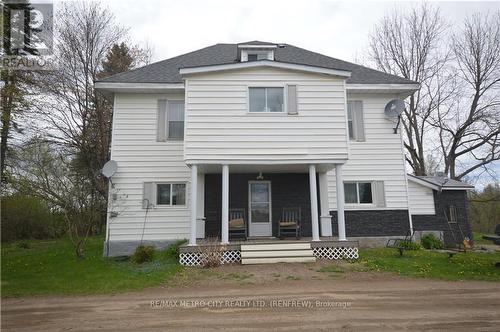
[(259, 207)]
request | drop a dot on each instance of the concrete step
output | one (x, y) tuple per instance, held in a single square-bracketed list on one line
[(276, 253), (272, 260), (275, 246)]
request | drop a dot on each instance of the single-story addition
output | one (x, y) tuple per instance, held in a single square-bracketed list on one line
[(241, 148)]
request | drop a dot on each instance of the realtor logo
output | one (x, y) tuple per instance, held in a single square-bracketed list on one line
[(27, 34)]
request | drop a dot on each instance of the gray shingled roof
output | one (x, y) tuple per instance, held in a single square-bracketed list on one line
[(167, 71), (444, 182)]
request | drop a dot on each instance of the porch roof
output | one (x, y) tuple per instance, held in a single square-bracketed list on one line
[(259, 168)]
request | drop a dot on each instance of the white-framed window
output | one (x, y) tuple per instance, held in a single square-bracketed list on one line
[(170, 194), (266, 99), (175, 120), (358, 192), (170, 119), (350, 124), (255, 55), (355, 120)]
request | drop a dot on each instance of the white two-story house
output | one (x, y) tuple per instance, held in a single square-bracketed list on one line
[(251, 141)]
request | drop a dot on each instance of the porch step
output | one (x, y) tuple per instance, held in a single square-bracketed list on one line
[(276, 253), (272, 260), (275, 246)]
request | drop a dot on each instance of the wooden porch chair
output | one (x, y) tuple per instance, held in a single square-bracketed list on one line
[(237, 223), (289, 223)]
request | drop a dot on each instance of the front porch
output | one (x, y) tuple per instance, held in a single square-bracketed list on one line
[(265, 202), (255, 251)]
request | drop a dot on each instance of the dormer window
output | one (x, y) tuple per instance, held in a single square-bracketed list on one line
[(256, 55), (252, 57), (256, 52)]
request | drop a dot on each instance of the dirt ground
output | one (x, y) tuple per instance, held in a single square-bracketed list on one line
[(278, 297)]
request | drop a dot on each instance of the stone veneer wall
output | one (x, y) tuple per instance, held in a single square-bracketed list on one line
[(373, 223)]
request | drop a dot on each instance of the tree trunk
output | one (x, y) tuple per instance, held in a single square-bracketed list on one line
[(6, 121)]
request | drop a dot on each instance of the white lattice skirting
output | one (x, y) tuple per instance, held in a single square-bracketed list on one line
[(198, 258), (336, 252)]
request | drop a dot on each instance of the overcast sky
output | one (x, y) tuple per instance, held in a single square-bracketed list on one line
[(339, 29), (335, 28)]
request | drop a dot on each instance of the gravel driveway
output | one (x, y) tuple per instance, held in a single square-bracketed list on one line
[(236, 301)]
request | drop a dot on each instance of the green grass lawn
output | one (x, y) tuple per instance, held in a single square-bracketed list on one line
[(51, 267), (478, 239), (432, 264)]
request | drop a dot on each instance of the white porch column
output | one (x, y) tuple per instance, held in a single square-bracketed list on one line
[(194, 204), (314, 203), (325, 218), (339, 184), (200, 220), (225, 204)]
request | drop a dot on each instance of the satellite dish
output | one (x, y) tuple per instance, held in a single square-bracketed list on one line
[(394, 108), (109, 169)]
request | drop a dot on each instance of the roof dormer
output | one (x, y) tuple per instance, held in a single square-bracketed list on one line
[(254, 51)]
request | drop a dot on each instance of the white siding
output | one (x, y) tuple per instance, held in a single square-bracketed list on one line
[(421, 199), (142, 159), (219, 127), (379, 157)]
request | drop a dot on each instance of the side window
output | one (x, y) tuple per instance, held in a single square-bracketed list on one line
[(358, 192), (171, 194), (163, 194), (355, 120), (266, 100)]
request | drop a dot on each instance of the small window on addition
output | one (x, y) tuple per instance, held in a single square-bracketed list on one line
[(452, 214)]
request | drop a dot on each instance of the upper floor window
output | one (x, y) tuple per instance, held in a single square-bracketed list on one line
[(355, 121), (175, 119), (350, 125), (266, 99), (170, 120)]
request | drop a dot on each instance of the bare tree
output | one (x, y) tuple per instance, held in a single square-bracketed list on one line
[(78, 118), (44, 170), (469, 125), (410, 45)]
